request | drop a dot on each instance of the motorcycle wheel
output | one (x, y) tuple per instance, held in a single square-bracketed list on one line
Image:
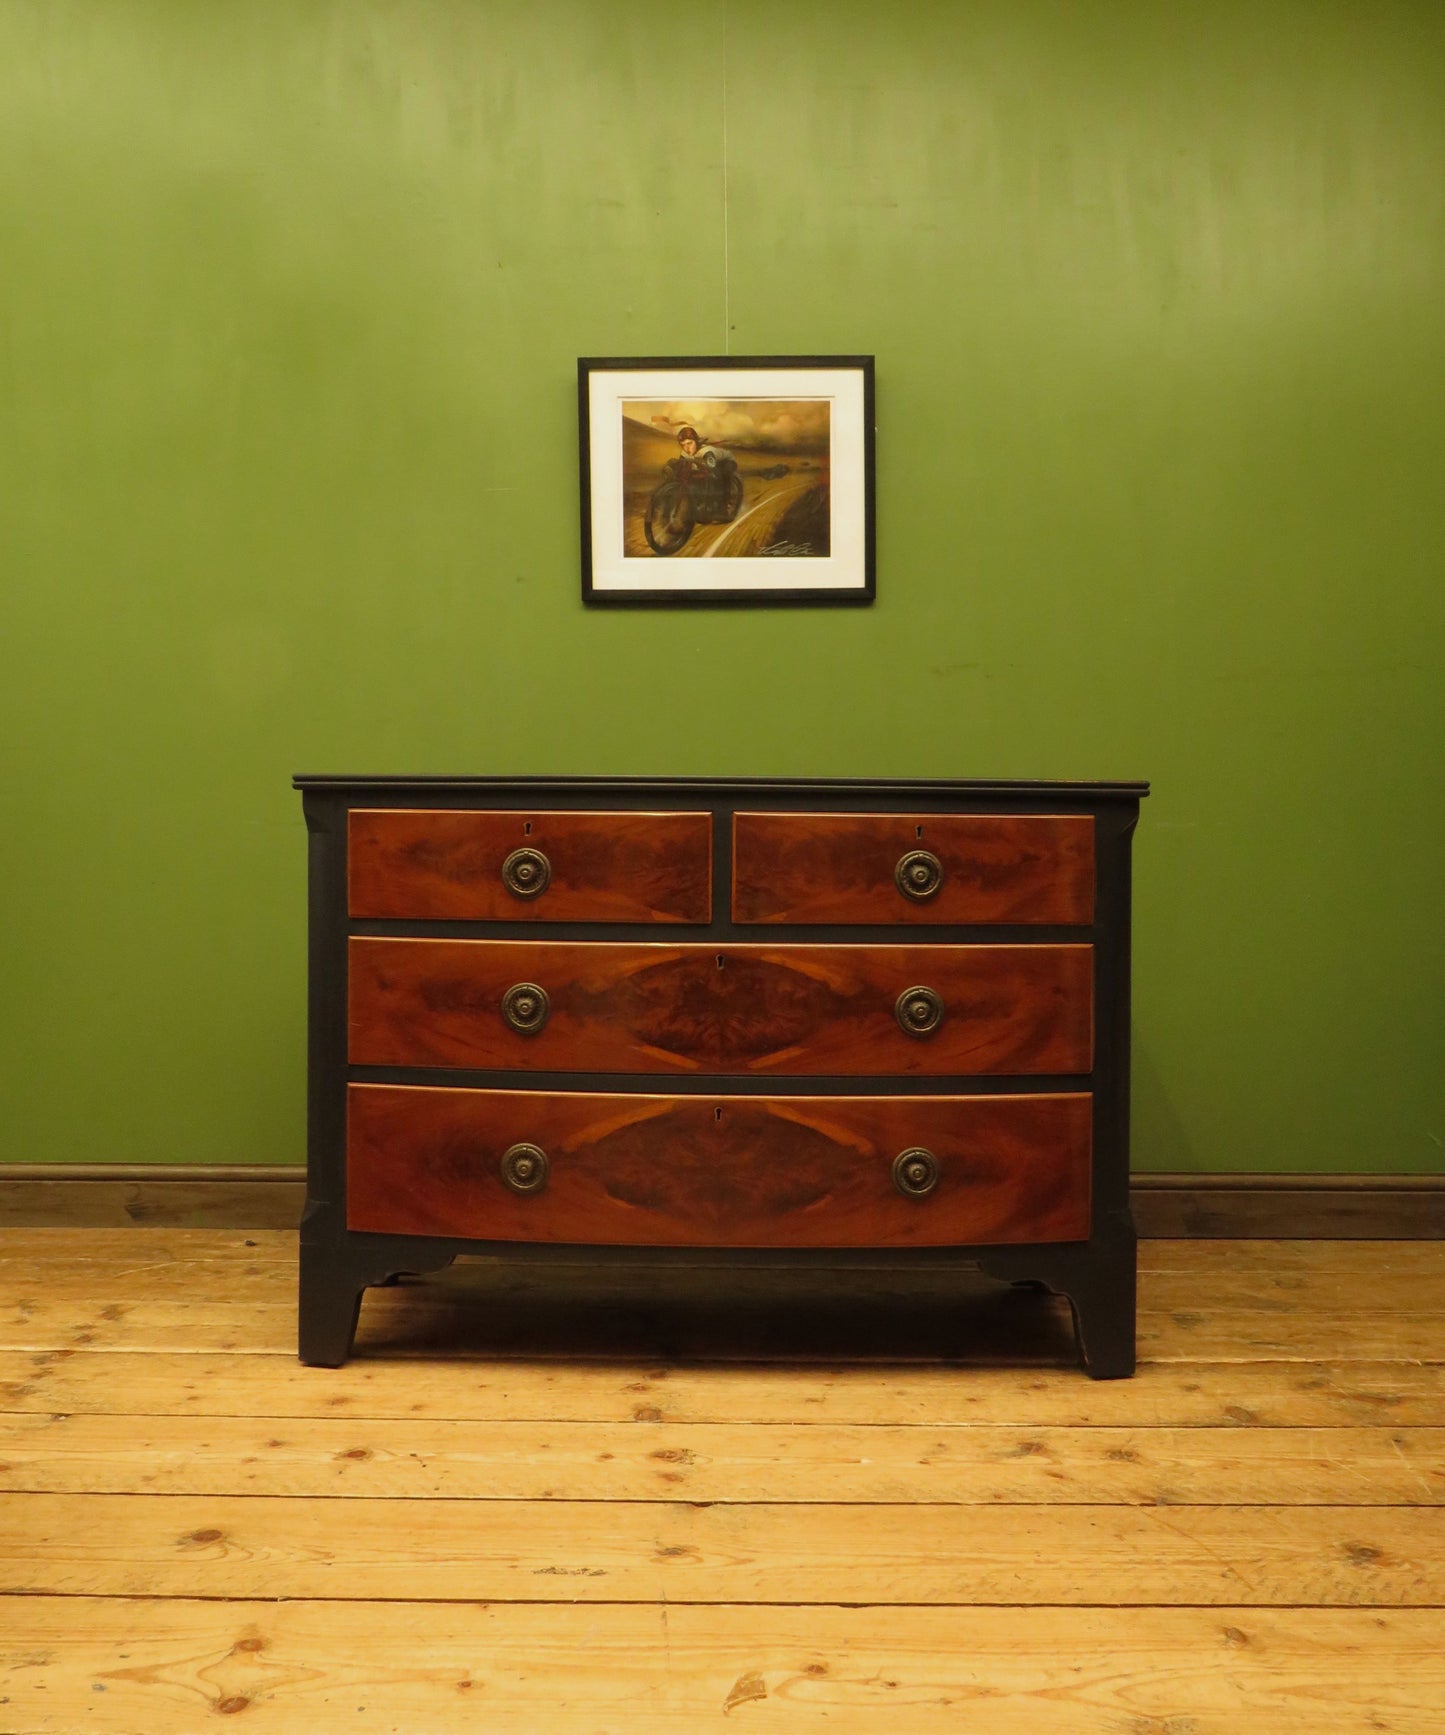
[(668, 523), (733, 497)]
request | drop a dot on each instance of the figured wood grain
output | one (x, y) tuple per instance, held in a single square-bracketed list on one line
[(835, 867), (151, 1667), (634, 1170), (169, 1382), (802, 1010), (528, 1551), (741, 1462), (433, 864)]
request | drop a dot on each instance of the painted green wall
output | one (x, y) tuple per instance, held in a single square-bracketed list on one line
[(291, 296)]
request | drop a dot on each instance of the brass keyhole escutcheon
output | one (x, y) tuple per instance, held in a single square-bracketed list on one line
[(915, 1172), (919, 1011), (526, 873), (918, 875), (525, 1168), (526, 1008)]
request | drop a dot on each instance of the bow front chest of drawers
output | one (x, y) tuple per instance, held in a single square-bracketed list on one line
[(832, 1021)]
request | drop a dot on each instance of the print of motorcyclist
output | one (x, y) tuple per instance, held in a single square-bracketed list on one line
[(699, 486), (697, 461)]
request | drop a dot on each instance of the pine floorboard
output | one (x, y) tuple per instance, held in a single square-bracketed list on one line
[(639, 1501)]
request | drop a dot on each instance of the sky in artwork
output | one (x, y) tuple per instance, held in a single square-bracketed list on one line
[(764, 424)]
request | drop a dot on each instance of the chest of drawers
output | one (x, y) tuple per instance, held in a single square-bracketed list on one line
[(788, 1020)]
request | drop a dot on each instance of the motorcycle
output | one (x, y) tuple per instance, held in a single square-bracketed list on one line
[(691, 492)]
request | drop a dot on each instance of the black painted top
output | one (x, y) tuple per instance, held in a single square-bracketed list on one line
[(722, 785)]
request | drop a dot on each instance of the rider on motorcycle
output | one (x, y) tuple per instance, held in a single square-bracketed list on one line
[(697, 458), (699, 486), (698, 462)]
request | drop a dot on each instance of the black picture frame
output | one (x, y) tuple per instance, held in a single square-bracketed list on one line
[(772, 503)]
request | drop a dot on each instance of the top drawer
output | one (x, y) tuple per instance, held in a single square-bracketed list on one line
[(482, 865), (898, 867)]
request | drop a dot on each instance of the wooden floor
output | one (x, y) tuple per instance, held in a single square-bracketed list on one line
[(635, 1501)]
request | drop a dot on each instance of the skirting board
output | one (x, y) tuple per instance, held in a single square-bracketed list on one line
[(1166, 1207)]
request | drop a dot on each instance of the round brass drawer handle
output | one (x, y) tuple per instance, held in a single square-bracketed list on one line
[(526, 1008), (915, 1172), (919, 1011), (918, 875), (525, 1168), (526, 873)]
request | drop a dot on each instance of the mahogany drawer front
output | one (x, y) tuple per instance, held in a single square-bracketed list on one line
[(447, 865), (844, 867), (802, 1010), (717, 1171)]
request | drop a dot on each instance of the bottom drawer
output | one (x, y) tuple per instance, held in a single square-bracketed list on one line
[(718, 1171)]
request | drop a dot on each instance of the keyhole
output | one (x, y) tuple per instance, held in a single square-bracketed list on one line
[(719, 961), (527, 829), (918, 831), (717, 1114)]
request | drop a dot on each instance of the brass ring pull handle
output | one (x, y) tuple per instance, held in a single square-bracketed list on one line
[(525, 1168), (919, 1011), (526, 873), (526, 1008), (915, 1172), (918, 875)]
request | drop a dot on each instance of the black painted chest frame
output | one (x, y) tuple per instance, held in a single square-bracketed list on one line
[(338, 1264)]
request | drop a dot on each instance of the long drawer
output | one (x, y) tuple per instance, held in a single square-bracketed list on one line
[(561, 1006), (718, 1171)]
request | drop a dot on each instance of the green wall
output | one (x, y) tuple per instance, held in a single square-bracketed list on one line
[(291, 296)]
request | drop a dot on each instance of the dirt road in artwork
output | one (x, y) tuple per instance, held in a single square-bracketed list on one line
[(760, 528)]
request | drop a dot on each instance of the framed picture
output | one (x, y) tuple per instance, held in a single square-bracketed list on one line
[(727, 479)]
